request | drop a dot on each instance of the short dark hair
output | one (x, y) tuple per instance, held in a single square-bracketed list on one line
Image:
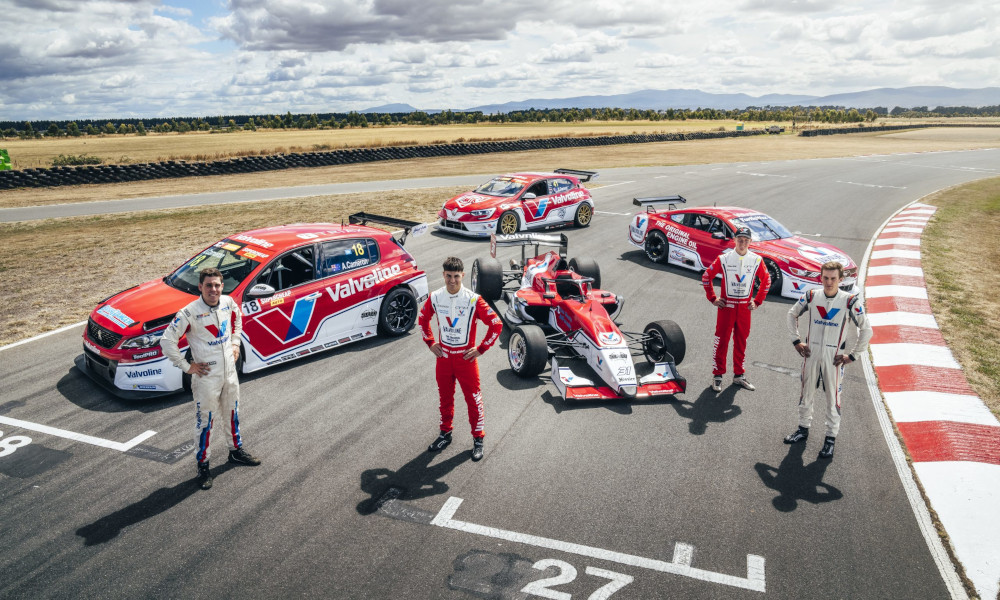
[(833, 266), (453, 264), (208, 272)]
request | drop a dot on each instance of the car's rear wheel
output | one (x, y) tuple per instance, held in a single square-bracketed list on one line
[(657, 247), (584, 215), (587, 267), (663, 341), (527, 350), (398, 312), (508, 223), (487, 278), (775, 273)]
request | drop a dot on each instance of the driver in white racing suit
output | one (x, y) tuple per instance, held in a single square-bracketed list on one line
[(828, 311), (213, 324)]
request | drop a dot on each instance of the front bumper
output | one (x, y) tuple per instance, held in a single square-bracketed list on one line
[(478, 229), (104, 376)]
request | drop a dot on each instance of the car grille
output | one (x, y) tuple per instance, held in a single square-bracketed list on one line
[(453, 225), (100, 365), (101, 336)]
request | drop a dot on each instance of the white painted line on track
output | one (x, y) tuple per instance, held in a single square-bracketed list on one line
[(872, 185), (903, 230), (910, 407), (900, 241), (927, 355), (901, 291), (40, 336), (762, 174), (79, 437), (681, 565), (604, 187), (908, 319), (912, 254), (601, 212), (896, 270)]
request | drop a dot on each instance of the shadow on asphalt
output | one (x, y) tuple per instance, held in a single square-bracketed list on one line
[(794, 481), (107, 528), (708, 408), (416, 479), (76, 387)]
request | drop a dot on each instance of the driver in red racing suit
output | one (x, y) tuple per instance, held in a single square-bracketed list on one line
[(457, 309), (739, 268)]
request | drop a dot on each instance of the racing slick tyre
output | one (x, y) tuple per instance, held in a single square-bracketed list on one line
[(487, 278), (584, 215), (508, 223), (656, 247), (398, 312), (587, 267), (186, 377), (775, 273), (527, 350), (241, 361), (663, 339)]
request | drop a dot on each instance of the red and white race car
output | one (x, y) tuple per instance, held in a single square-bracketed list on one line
[(693, 237), (556, 308), (303, 288), (519, 201)]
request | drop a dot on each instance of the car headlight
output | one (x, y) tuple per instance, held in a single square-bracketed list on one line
[(482, 213), (149, 340), (803, 273)]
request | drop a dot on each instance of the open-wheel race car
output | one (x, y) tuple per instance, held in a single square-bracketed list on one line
[(557, 310)]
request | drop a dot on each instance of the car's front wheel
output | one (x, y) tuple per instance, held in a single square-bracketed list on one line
[(508, 223), (775, 273), (657, 247), (663, 341), (398, 312), (584, 215), (527, 350)]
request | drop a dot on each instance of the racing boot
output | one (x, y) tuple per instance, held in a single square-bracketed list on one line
[(477, 449), (442, 441), (800, 434), (204, 476), (827, 451), (242, 457), (742, 382), (716, 384)]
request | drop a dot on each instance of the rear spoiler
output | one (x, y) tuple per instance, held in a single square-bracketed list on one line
[(583, 176), (529, 239), (654, 200), (363, 218)]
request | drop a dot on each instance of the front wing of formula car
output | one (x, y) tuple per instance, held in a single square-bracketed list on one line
[(663, 381)]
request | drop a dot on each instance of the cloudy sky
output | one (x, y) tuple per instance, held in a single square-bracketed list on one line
[(64, 59)]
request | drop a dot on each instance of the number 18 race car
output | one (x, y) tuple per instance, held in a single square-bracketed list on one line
[(556, 308), (303, 289)]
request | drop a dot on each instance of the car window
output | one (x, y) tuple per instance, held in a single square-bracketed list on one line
[(677, 218), (698, 221), (557, 186), (763, 227), (504, 187), (717, 226), (290, 269), (232, 259), (340, 256), (539, 189)]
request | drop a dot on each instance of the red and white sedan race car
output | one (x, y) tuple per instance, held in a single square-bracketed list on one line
[(520, 201), (693, 237), (303, 288), (557, 309)]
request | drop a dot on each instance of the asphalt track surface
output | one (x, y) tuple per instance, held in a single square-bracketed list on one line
[(686, 497)]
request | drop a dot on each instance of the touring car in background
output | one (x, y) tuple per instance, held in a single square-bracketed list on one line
[(693, 237), (556, 309), (303, 289), (520, 201)]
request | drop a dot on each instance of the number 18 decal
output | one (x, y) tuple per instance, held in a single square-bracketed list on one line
[(12, 443), (567, 573)]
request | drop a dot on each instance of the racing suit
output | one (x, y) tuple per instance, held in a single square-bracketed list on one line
[(456, 319), (213, 332), (733, 320), (825, 339)]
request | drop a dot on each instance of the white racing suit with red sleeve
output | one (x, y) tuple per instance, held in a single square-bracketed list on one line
[(827, 318), (213, 332), (456, 318), (733, 319)]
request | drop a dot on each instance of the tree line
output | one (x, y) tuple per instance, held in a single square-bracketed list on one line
[(233, 123)]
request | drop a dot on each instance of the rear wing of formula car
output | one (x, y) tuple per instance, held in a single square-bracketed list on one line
[(529, 239), (363, 218), (652, 201), (583, 176)]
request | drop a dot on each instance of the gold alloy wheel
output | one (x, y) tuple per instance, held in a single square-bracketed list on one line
[(584, 214), (508, 223)]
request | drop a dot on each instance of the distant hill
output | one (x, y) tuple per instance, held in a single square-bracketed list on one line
[(390, 108), (908, 97)]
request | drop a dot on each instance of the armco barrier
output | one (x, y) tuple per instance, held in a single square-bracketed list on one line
[(872, 128), (144, 171)]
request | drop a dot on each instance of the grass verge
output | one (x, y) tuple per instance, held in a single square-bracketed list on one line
[(960, 254)]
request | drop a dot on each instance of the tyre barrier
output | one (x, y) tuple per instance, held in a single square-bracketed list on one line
[(873, 128), (96, 174)]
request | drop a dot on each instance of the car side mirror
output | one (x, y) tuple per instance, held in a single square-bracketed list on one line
[(261, 290), (718, 235), (528, 196)]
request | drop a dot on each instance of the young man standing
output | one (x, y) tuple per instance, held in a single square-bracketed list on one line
[(824, 362), (739, 268), (457, 309), (213, 324)]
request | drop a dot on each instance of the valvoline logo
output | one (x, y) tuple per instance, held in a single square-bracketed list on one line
[(301, 315), (827, 315), (452, 322), (218, 332), (739, 278), (640, 221), (541, 207), (608, 339)]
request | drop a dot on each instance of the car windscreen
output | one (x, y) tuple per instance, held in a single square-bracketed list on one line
[(763, 227), (231, 258), (504, 187)]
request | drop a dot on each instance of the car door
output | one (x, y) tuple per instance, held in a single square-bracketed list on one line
[(536, 209), (350, 289)]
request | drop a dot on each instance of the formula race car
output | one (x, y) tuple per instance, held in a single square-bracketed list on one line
[(693, 237), (511, 203), (303, 288), (556, 309)]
